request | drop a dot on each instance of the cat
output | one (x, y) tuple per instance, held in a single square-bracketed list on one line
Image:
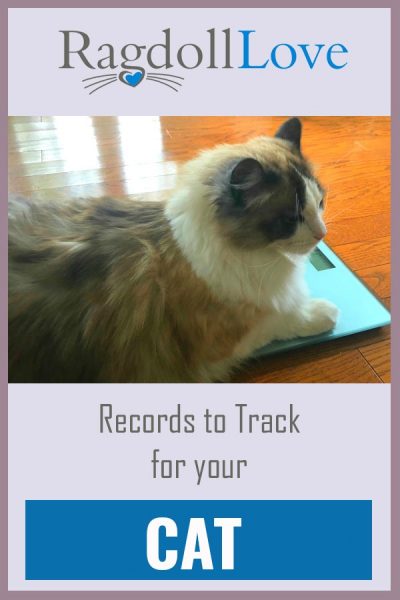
[(128, 290)]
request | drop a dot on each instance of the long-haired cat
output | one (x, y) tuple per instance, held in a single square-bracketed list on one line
[(122, 290)]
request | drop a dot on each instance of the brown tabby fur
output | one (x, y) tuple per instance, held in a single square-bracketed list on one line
[(112, 301)]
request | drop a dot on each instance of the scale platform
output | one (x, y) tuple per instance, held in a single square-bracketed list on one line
[(328, 277)]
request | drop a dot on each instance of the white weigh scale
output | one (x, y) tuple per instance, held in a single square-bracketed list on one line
[(329, 278)]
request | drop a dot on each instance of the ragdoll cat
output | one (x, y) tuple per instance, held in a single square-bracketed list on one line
[(122, 290)]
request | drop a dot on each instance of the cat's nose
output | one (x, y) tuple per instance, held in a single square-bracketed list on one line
[(319, 231)]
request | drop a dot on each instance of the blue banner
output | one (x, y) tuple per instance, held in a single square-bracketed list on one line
[(199, 539)]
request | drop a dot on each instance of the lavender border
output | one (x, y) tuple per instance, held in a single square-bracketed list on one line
[(268, 595)]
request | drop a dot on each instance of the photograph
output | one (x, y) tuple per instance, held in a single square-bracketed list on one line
[(199, 249)]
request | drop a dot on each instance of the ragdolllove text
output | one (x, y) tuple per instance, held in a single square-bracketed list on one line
[(215, 50)]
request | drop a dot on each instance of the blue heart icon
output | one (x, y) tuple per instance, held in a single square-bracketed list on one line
[(133, 77)]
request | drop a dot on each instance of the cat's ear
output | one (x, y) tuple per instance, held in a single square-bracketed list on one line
[(248, 179), (290, 131), (246, 174)]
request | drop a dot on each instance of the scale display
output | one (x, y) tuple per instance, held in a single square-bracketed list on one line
[(328, 277)]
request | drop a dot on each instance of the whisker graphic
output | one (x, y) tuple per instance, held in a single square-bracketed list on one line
[(98, 76), (164, 79), (162, 83), (166, 75), (167, 79), (100, 86), (101, 81)]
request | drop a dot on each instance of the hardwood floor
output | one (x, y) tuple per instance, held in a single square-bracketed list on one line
[(63, 157)]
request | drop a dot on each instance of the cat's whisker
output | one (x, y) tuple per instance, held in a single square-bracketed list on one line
[(154, 80), (101, 86), (297, 204), (108, 78), (99, 76), (165, 75), (161, 79)]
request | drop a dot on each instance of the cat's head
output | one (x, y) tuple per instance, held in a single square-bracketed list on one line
[(264, 193)]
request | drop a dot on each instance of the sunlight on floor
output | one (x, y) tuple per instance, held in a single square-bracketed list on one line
[(78, 142)]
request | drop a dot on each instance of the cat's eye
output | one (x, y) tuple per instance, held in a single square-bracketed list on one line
[(290, 220), (321, 204)]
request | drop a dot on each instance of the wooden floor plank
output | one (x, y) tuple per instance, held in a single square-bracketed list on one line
[(364, 254), (85, 176), (117, 187), (377, 278), (358, 229), (16, 163), (378, 356), (344, 367), (97, 162)]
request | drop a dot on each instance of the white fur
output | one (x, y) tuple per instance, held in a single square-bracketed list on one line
[(271, 278)]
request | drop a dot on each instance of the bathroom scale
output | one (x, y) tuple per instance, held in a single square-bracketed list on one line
[(328, 277)]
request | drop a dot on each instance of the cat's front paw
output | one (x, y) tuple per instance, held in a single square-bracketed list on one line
[(322, 317)]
